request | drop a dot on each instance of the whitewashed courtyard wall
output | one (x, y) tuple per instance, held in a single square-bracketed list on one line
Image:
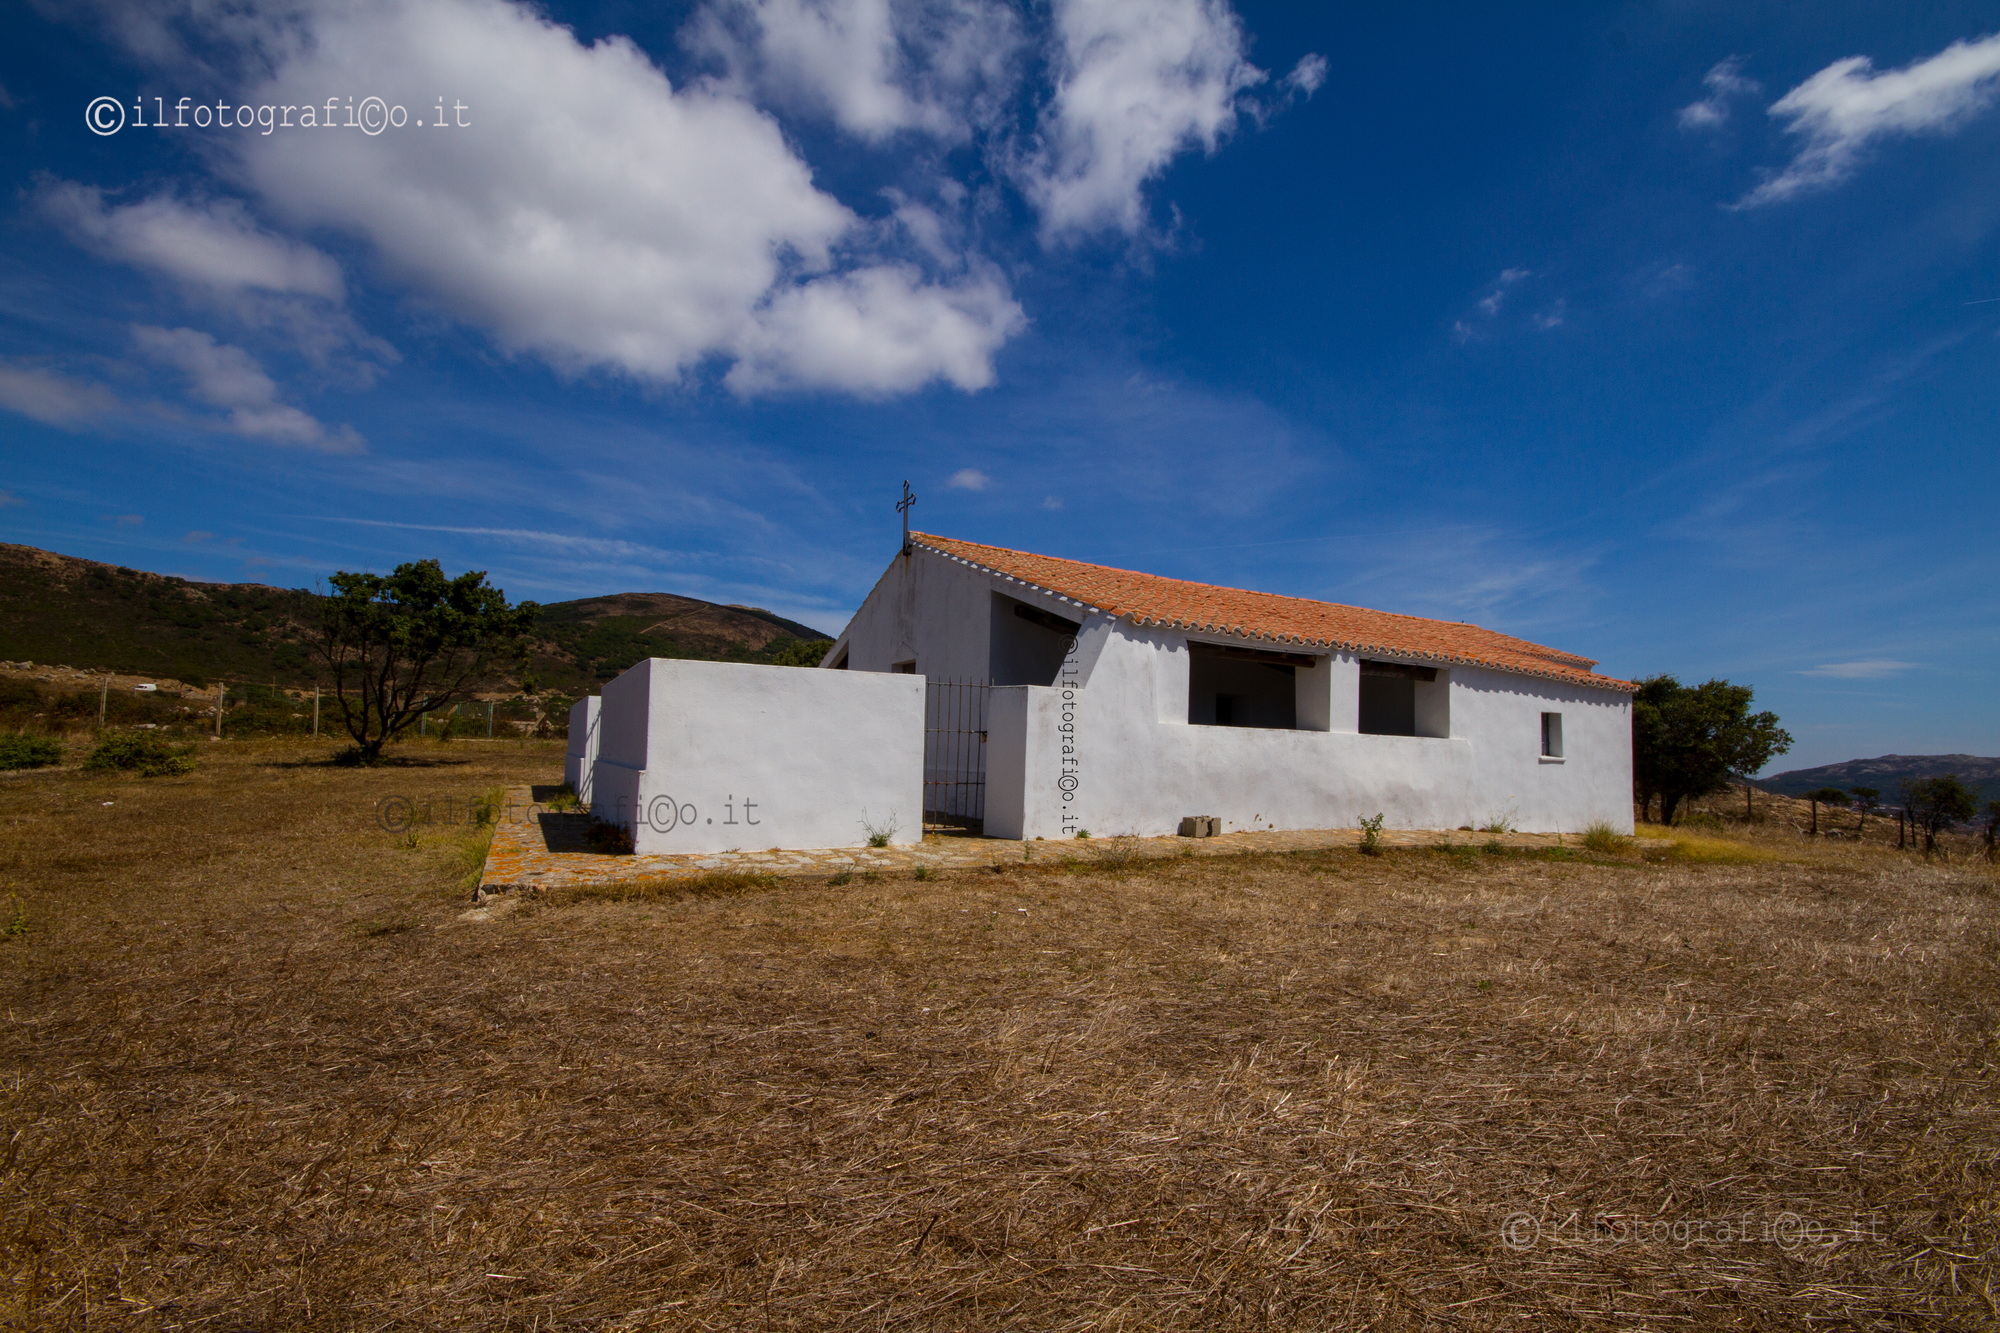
[(580, 756), (720, 756)]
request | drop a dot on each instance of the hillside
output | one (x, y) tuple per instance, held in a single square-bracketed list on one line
[(57, 609), (1887, 772), (80, 613), (598, 637)]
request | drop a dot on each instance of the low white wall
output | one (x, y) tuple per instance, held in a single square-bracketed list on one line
[(581, 756), (721, 756)]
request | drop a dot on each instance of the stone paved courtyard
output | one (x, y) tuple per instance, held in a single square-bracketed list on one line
[(535, 847)]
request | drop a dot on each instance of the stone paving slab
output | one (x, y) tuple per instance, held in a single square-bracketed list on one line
[(536, 847)]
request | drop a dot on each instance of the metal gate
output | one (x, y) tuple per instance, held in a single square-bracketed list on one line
[(955, 752)]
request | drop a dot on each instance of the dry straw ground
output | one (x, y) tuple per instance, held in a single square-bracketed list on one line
[(258, 1073)]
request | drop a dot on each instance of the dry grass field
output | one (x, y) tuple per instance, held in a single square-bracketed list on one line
[(257, 1072)]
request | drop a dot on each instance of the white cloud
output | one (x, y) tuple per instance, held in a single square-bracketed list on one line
[(1136, 85), (229, 378), (1872, 669), (214, 248), (876, 67), (1307, 76), (1724, 81), (879, 330), (214, 244), (607, 219), (1487, 309), (52, 398), (969, 479), (1490, 303), (1846, 106)]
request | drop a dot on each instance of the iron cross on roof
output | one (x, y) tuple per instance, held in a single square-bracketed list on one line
[(903, 508)]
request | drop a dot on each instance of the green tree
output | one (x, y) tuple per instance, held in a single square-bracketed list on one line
[(1935, 804), (1688, 740), (1824, 796), (410, 643), (796, 652)]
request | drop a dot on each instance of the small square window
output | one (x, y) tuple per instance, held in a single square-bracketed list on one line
[(1552, 735)]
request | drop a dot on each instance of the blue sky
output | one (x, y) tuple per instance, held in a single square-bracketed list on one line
[(1662, 333)]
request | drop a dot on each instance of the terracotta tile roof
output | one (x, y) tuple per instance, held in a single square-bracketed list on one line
[(1203, 608)]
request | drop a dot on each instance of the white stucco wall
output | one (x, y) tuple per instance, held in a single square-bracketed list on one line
[(720, 756), (580, 758), (1138, 766)]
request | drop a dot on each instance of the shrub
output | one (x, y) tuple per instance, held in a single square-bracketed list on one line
[(29, 752), (148, 756), (1371, 836), (608, 839), (1601, 838)]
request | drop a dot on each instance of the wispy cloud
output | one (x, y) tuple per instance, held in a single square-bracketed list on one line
[(52, 398), (969, 479), (1876, 668), (1483, 574), (562, 542), (1724, 81), (230, 378), (1847, 106), (1485, 314)]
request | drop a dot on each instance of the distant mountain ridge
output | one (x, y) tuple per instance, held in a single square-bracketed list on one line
[(62, 610), (1888, 772)]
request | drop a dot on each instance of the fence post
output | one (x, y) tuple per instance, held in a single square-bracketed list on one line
[(103, 695), (489, 719), (315, 712), (221, 702)]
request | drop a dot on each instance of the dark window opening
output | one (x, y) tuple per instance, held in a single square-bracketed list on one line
[(1027, 645), (908, 668), (839, 663), (1240, 687), (1388, 705), (1552, 735), (1389, 693)]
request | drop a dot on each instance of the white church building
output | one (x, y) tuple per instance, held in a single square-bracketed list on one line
[(1057, 698)]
